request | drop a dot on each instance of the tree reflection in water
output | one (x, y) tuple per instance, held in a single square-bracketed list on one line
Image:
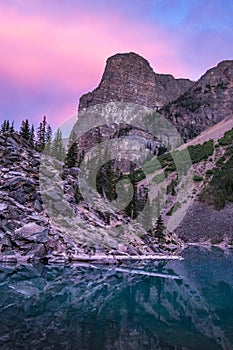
[(99, 307)]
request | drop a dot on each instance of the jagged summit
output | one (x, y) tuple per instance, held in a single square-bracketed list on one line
[(128, 77)]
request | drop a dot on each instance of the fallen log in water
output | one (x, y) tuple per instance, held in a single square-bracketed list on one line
[(124, 257)]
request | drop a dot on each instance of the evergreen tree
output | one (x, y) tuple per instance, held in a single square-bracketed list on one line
[(41, 135), (72, 156), (80, 157), (158, 231), (44, 136), (40, 141), (57, 149), (132, 209), (12, 128), (25, 130), (48, 138), (5, 126), (2, 130), (99, 135), (32, 137)]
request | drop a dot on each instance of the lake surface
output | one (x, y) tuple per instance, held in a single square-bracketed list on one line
[(176, 305)]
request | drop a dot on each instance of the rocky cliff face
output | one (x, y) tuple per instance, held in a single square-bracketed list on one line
[(106, 132), (206, 103), (191, 107), (129, 78)]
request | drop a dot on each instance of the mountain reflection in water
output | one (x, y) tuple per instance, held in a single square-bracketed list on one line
[(142, 305)]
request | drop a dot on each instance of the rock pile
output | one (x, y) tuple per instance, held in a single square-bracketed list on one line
[(26, 229)]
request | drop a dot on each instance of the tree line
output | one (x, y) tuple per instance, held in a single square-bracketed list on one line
[(41, 139)]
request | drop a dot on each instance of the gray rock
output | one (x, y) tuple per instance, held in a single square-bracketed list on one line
[(16, 173), (19, 196), (3, 206), (110, 243), (53, 195), (47, 172), (12, 141), (129, 70), (63, 208), (131, 250), (38, 206), (37, 251), (32, 232)]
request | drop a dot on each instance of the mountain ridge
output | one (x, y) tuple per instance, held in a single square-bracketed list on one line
[(190, 106)]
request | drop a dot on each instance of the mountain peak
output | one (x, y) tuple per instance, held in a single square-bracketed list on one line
[(128, 58), (130, 55), (128, 77)]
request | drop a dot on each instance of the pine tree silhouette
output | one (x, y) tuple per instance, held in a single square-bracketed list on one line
[(159, 230)]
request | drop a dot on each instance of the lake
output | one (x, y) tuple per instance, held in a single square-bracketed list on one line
[(185, 304)]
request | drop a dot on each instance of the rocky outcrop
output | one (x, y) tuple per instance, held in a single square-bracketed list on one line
[(206, 103), (128, 77), (121, 131)]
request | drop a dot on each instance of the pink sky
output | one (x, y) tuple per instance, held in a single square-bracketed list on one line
[(48, 60)]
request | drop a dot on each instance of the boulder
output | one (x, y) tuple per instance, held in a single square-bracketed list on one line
[(33, 233), (38, 206)]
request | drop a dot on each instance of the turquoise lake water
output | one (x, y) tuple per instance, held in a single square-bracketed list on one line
[(190, 306)]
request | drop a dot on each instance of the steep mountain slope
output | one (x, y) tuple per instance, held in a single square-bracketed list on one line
[(40, 198), (208, 219)]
